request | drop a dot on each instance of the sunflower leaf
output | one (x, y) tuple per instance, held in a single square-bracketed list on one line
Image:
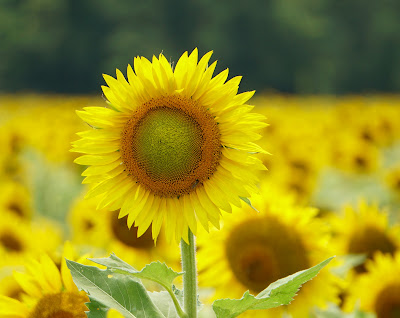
[(276, 294), (248, 202), (164, 302), (113, 262), (96, 309), (108, 289), (157, 272)]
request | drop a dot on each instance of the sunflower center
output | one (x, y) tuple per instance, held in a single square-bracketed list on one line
[(88, 225), (368, 241), (10, 242), (387, 303), (170, 145), (260, 251), (60, 305), (128, 236), (16, 208)]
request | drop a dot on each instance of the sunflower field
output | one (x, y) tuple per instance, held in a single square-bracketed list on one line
[(314, 177)]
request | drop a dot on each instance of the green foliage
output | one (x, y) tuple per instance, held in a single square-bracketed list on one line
[(96, 309), (276, 294), (107, 289), (248, 202), (165, 303), (120, 273), (305, 46), (337, 188), (119, 287), (51, 198)]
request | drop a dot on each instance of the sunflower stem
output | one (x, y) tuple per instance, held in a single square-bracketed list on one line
[(188, 252)]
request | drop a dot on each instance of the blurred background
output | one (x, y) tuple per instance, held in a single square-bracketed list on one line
[(303, 46)]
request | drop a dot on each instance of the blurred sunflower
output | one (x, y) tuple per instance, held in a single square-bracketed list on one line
[(378, 289), (111, 234), (392, 179), (47, 291), (256, 249), (8, 285), (15, 199), (19, 238), (10, 143), (175, 146), (378, 124), (365, 230), (354, 154), (86, 225)]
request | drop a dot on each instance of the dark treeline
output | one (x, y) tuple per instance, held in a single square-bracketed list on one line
[(299, 46)]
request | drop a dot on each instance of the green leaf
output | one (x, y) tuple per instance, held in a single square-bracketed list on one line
[(156, 272), (107, 289), (248, 202), (113, 262), (164, 302), (276, 294), (159, 273), (96, 309)]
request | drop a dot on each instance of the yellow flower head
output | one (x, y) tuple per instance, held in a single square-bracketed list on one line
[(46, 291), (378, 289), (175, 146), (19, 238), (354, 154), (15, 199), (110, 233), (392, 180), (8, 285), (365, 230), (256, 249)]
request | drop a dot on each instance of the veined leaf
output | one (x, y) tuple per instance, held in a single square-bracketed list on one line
[(96, 310), (276, 294), (156, 272), (113, 262), (108, 289), (164, 302)]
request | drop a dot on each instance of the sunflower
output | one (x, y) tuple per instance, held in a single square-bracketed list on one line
[(47, 291), (378, 289), (354, 154), (175, 146), (365, 230), (10, 143), (8, 285), (15, 199), (392, 180), (19, 238), (256, 249), (111, 234), (86, 227)]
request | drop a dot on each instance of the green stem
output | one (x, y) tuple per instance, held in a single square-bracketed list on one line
[(176, 303), (190, 276)]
